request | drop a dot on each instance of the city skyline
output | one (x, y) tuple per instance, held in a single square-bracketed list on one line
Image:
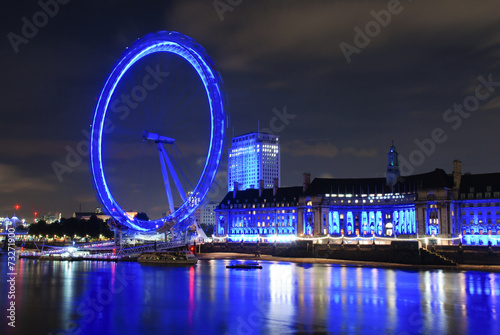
[(336, 81)]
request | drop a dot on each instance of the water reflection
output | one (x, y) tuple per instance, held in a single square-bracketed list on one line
[(128, 298)]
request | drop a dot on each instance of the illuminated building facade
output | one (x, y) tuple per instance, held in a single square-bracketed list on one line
[(479, 208), (271, 213), (207, 215), (433, 204), (254, 157), (358, 207)]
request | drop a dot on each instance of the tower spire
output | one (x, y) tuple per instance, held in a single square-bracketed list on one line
[(393, 173)]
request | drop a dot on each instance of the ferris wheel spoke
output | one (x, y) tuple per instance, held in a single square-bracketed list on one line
[(166, 180), (173, 173), (178, 162)]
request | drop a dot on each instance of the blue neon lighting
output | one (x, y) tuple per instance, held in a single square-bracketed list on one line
[(474, 239), (364, 224), (189, 50), (379, 223), (334, 227), (350, 224), (268, 238)]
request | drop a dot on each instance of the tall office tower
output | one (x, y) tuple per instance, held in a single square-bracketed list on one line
[(254, 157)]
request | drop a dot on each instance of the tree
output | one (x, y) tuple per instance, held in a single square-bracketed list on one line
[(37, 228), (106, 231), (142, 216), (207, 228)]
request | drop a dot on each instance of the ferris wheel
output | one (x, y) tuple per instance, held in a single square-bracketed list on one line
[(157, 133)]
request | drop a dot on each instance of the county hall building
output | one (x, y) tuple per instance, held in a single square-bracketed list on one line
[(434, 204)]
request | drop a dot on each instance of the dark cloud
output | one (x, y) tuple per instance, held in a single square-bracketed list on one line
[(13, 182)]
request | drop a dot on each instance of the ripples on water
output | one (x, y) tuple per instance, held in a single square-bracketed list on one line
[(129, 298)]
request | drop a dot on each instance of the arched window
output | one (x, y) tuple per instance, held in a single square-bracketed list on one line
[(350, 223)]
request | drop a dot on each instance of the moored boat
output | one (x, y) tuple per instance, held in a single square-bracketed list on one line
[(248, 265), (170, 258), (56, 257)]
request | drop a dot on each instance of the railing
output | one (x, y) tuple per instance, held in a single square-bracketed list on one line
[(90, 245), (101, 256), (58, 250), (151, 247), (123, 252), (84, 246)]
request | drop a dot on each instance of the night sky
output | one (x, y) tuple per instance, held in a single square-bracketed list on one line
[(337, 80)]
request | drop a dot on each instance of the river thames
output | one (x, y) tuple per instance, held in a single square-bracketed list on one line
[(90, 297)]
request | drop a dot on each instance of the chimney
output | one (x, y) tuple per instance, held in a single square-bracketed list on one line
[(307, 181), (261, 187), (275, 188), (235, 189), (457, 177)]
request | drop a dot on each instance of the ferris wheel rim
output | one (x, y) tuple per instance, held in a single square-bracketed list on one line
[(195, 55)]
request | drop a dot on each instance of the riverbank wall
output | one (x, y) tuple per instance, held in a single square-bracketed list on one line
[(401, 252)]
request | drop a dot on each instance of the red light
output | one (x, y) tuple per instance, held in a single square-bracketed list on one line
[(191, 248), (17, 207), (35, 214)]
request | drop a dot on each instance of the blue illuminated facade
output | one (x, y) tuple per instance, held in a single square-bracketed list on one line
[(372, 220), (452, 208), (357, 207), (282, 214), (267, 213), (479, 208)]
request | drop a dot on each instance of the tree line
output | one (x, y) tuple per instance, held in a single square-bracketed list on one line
[(79, 227), (71, 227)]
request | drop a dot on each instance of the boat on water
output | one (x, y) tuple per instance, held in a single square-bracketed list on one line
[(29, 256), (247, 265), (56, 257), (170, 258)]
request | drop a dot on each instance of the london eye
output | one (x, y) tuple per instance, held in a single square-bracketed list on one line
[(157, 133)]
